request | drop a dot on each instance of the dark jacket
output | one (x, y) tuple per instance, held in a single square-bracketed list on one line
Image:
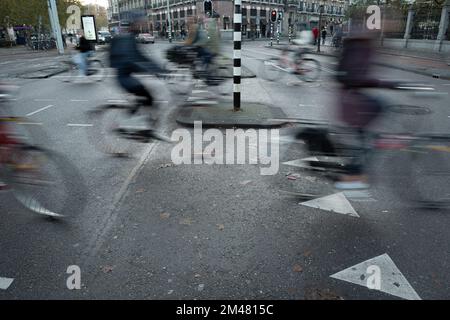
[(84, 45), (124, 54)]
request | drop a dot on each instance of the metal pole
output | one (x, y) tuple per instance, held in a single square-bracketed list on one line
[(237, 38), (56, 27), (278, 31), (169, 24), (320, 29), (271, 33)]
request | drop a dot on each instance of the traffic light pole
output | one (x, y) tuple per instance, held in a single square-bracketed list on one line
[(237, 38), (278, 32), (271, 33), (169, 24)]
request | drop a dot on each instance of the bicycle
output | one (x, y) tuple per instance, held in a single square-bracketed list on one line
[(186, 70), (419, 164), (96, 71), (294, 62), (41, 180)]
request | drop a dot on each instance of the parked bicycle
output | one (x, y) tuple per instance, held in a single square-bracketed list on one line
[(43, 181), (292, 60)]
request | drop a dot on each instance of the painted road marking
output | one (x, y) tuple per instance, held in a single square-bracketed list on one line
[(31, 123), (43, 100), (39, 110), (79, 125), (75, 100), (301, 163), (337, 203), (5, 283), (391, 279)]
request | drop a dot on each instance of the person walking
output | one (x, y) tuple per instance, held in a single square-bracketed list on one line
[(324, 34), (315, 32)]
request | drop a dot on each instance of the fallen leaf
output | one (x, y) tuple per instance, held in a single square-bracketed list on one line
[(297, 268), (165, 165), (164, 215), (220, 226), (107, 269), (307, 253), (140, 190), (186, 222)]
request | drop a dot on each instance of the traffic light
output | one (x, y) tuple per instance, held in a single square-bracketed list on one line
[(273, 16), (207, 6), (280, 16)]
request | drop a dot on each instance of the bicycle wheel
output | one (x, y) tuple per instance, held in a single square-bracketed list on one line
[(105, 137), (69, 72), (309, 69), (45, 182), (422, 175), (271, 70), (179, 79), (96, 71)]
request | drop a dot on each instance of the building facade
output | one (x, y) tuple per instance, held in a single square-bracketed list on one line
[(296, 14)]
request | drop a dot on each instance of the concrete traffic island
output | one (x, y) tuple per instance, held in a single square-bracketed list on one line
[(222, 115)]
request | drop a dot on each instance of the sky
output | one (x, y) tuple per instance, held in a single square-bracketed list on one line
[(103, 3)]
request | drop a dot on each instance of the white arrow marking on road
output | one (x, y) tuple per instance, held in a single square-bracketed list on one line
[(335, 203), (392, 280), (300, 162), (5, 283)]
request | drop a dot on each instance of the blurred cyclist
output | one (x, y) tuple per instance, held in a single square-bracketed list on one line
[(86, 50), (127, 59), (357, 109)]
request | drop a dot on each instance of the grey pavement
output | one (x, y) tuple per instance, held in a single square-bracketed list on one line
[(152, 229)]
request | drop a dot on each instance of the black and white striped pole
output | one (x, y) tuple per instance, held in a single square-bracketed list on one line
[(273, 18), (237, 37)]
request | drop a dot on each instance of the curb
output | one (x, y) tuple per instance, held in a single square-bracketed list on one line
[(184, 117), (38, 74)]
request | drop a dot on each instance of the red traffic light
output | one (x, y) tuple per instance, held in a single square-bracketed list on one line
[(273, 16)]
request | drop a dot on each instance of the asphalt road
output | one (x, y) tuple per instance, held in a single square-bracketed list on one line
[(154, 230)]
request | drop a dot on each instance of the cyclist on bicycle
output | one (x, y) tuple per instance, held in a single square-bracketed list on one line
[(86, 49), (357, 109), (127, 59)]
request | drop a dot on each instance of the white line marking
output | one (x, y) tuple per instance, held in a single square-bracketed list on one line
[(392, 281), (5, 283), (79, 125), (43, 100), (335, 203), (39, 110), (75, 100), (31, 123)]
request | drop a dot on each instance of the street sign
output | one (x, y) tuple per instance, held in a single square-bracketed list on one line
[(89, 28)]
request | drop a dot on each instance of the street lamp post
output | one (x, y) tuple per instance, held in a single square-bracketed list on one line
[(320, 25)]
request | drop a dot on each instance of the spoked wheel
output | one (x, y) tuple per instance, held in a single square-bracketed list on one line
[(179, 79), (45, 182), (219, 82), (425, 172), (108, 122), (309, 69), (271, 70), (69, 72), (96, 71)]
